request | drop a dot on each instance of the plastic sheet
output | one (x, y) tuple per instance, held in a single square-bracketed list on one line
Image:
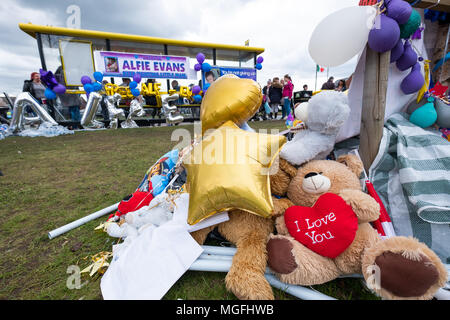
[(3, 131), (45, 130)]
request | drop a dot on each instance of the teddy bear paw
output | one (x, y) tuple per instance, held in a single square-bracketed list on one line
[(406, 278), (280, 257), (249, 285)]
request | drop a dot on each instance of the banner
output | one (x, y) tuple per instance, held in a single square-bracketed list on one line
[(216, 72), (122, 64), (245, 73)]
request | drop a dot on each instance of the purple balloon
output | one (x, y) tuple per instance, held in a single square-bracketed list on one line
[(137, 77), (60, 89), (414, 81), (48, 78), (408, 58), (196, 90), (384, 35), (86, 80), (198, 67), (399, 10), (260, 59), (200, 58), (397, 51)]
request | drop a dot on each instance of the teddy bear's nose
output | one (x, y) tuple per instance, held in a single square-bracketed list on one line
[(316, 183), (311, 174)]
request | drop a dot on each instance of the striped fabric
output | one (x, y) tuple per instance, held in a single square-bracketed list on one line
[(411, 174)]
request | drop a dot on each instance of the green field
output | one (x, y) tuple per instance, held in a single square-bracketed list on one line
[(49, 182)]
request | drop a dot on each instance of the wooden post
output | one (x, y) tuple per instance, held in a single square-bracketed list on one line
[(374, 104)]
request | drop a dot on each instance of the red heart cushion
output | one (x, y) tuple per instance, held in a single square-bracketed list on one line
[(328, 228)]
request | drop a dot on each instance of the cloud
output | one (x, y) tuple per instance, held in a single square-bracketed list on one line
[(283, 28)]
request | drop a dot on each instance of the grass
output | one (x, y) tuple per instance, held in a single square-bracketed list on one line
[(49, 182)]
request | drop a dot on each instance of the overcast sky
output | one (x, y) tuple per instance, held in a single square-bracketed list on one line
[(281, 27)]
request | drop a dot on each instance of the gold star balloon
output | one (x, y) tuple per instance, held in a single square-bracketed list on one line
[(230, 98), (229, 169)]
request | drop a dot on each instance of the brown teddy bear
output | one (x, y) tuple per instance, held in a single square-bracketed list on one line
[(325, 233), (250, 233)]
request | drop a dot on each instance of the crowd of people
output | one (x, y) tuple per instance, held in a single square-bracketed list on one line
[(278, 95), (341, 86)]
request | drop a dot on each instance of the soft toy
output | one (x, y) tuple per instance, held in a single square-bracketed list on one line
[(249, 233), (325, 233), (325, 114), (156, 213)]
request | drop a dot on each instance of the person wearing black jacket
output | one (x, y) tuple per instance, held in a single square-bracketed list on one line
[(37, 89), (275, 95)]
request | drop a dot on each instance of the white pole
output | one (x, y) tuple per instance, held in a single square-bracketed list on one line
[(205, 256), (297, 291), (211, 265), (57, 232), (442, 294), (223, 251), (224, 265)]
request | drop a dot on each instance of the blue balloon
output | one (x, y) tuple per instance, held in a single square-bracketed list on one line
[(197, 98), (49, 94), (206, 86), (98, 76), (96, 86), (88, 87), (258, 66), (133, 85), (206, 67), (135, 92)]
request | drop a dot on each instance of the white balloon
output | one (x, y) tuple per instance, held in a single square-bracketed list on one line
[(341, 35)]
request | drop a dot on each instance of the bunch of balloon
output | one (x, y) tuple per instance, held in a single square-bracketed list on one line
[(355, 23), (53, 87), (87, 120), (397, 21), (202, 65), (196, 90), (18, 119), (134, 85), (136, 106), (170, 111), (259, 62), (114, 113), (91, 88)]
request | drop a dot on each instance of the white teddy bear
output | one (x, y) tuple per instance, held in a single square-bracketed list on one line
[(326, 113), (158, 212)]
